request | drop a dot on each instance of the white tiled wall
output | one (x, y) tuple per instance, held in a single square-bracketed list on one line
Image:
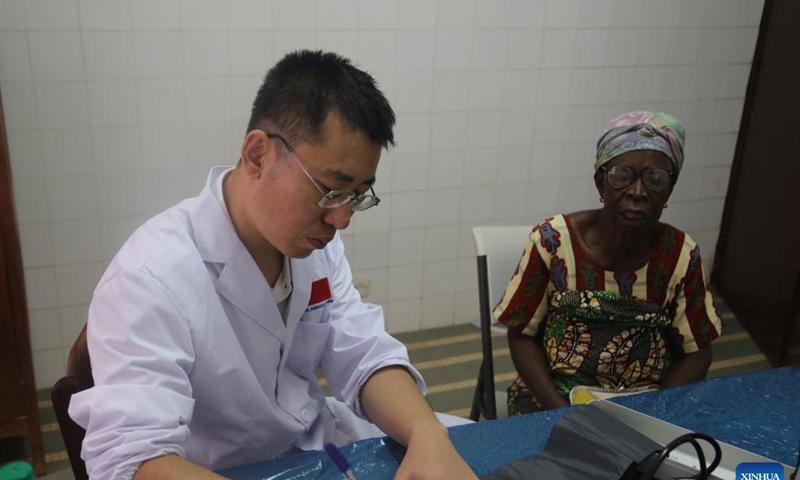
[(115, 109)]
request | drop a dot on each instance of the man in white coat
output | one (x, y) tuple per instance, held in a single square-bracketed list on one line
[(207, 328)]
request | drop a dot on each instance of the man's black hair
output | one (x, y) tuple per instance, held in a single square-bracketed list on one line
[(304, 86)]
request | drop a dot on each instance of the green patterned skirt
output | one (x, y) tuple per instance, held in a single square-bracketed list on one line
[(599, 339)]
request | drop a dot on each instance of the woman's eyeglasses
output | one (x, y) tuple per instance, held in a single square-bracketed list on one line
[(655, 179), (334, 198)]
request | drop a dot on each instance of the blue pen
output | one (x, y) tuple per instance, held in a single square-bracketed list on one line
[(338, 458)]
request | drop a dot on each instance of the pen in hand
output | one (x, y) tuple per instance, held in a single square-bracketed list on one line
[(341, 462)]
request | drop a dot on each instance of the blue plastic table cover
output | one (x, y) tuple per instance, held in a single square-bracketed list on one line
[(757, 412)]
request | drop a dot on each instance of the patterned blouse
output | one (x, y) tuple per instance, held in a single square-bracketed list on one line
[(604, 328)]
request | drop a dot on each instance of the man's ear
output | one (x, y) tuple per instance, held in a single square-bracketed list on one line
[(256, 150)]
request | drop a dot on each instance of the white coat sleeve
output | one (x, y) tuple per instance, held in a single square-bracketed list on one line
[(141, 353), (359, 344)]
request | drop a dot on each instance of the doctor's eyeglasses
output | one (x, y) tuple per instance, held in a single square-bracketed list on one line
[(334, 198)]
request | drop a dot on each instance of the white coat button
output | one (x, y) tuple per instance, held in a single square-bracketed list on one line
[(306, 415)]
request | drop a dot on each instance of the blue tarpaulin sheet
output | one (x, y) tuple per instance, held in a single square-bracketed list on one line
[(757, 412)]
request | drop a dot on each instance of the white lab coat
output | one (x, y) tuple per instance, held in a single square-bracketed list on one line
[(190, 355)]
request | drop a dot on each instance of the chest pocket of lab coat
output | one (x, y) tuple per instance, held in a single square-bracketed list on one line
[(310, 340)]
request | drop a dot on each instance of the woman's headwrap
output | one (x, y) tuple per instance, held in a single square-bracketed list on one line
[(643, 130)]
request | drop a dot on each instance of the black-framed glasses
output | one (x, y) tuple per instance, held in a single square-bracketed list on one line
[(333, 198), (655, 179)]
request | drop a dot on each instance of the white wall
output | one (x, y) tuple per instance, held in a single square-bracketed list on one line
[(116, 109)]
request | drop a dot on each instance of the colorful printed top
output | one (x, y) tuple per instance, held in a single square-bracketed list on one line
[(603, 328)]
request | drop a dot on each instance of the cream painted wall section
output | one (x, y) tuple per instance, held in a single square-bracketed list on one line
[(115, 110)]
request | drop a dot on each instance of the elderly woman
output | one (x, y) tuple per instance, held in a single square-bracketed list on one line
[(612, 298)]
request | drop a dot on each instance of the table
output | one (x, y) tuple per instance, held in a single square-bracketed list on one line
[(756, 412)]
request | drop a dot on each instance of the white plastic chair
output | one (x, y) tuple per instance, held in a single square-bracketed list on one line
[(498, 251)]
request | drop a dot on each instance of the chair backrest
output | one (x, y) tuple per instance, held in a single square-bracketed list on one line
[(498, 251), (502, 247), (78, 378)]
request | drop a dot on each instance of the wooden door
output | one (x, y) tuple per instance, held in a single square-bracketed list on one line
[(11, 405), (757, 265), (19, 409)]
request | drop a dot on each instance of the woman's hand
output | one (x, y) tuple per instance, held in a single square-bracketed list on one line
[(528, 356), (692, 367)]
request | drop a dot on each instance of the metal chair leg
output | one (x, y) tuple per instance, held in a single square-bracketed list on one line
[(477, 398)]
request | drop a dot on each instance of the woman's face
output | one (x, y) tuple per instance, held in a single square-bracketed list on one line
[(634, 206)]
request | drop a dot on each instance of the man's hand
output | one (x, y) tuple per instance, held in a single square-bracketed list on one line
[(431, 456), (393, 402)]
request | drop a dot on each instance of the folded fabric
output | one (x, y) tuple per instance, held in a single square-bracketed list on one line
[(583, 394), (584, 443)]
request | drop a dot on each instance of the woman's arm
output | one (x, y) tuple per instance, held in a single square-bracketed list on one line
[(692, 367), (528, 356), (695, 320)]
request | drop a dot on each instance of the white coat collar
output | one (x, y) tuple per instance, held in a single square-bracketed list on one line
[(240, 280)]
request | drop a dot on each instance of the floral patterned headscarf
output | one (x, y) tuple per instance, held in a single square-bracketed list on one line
[(642, 130)]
